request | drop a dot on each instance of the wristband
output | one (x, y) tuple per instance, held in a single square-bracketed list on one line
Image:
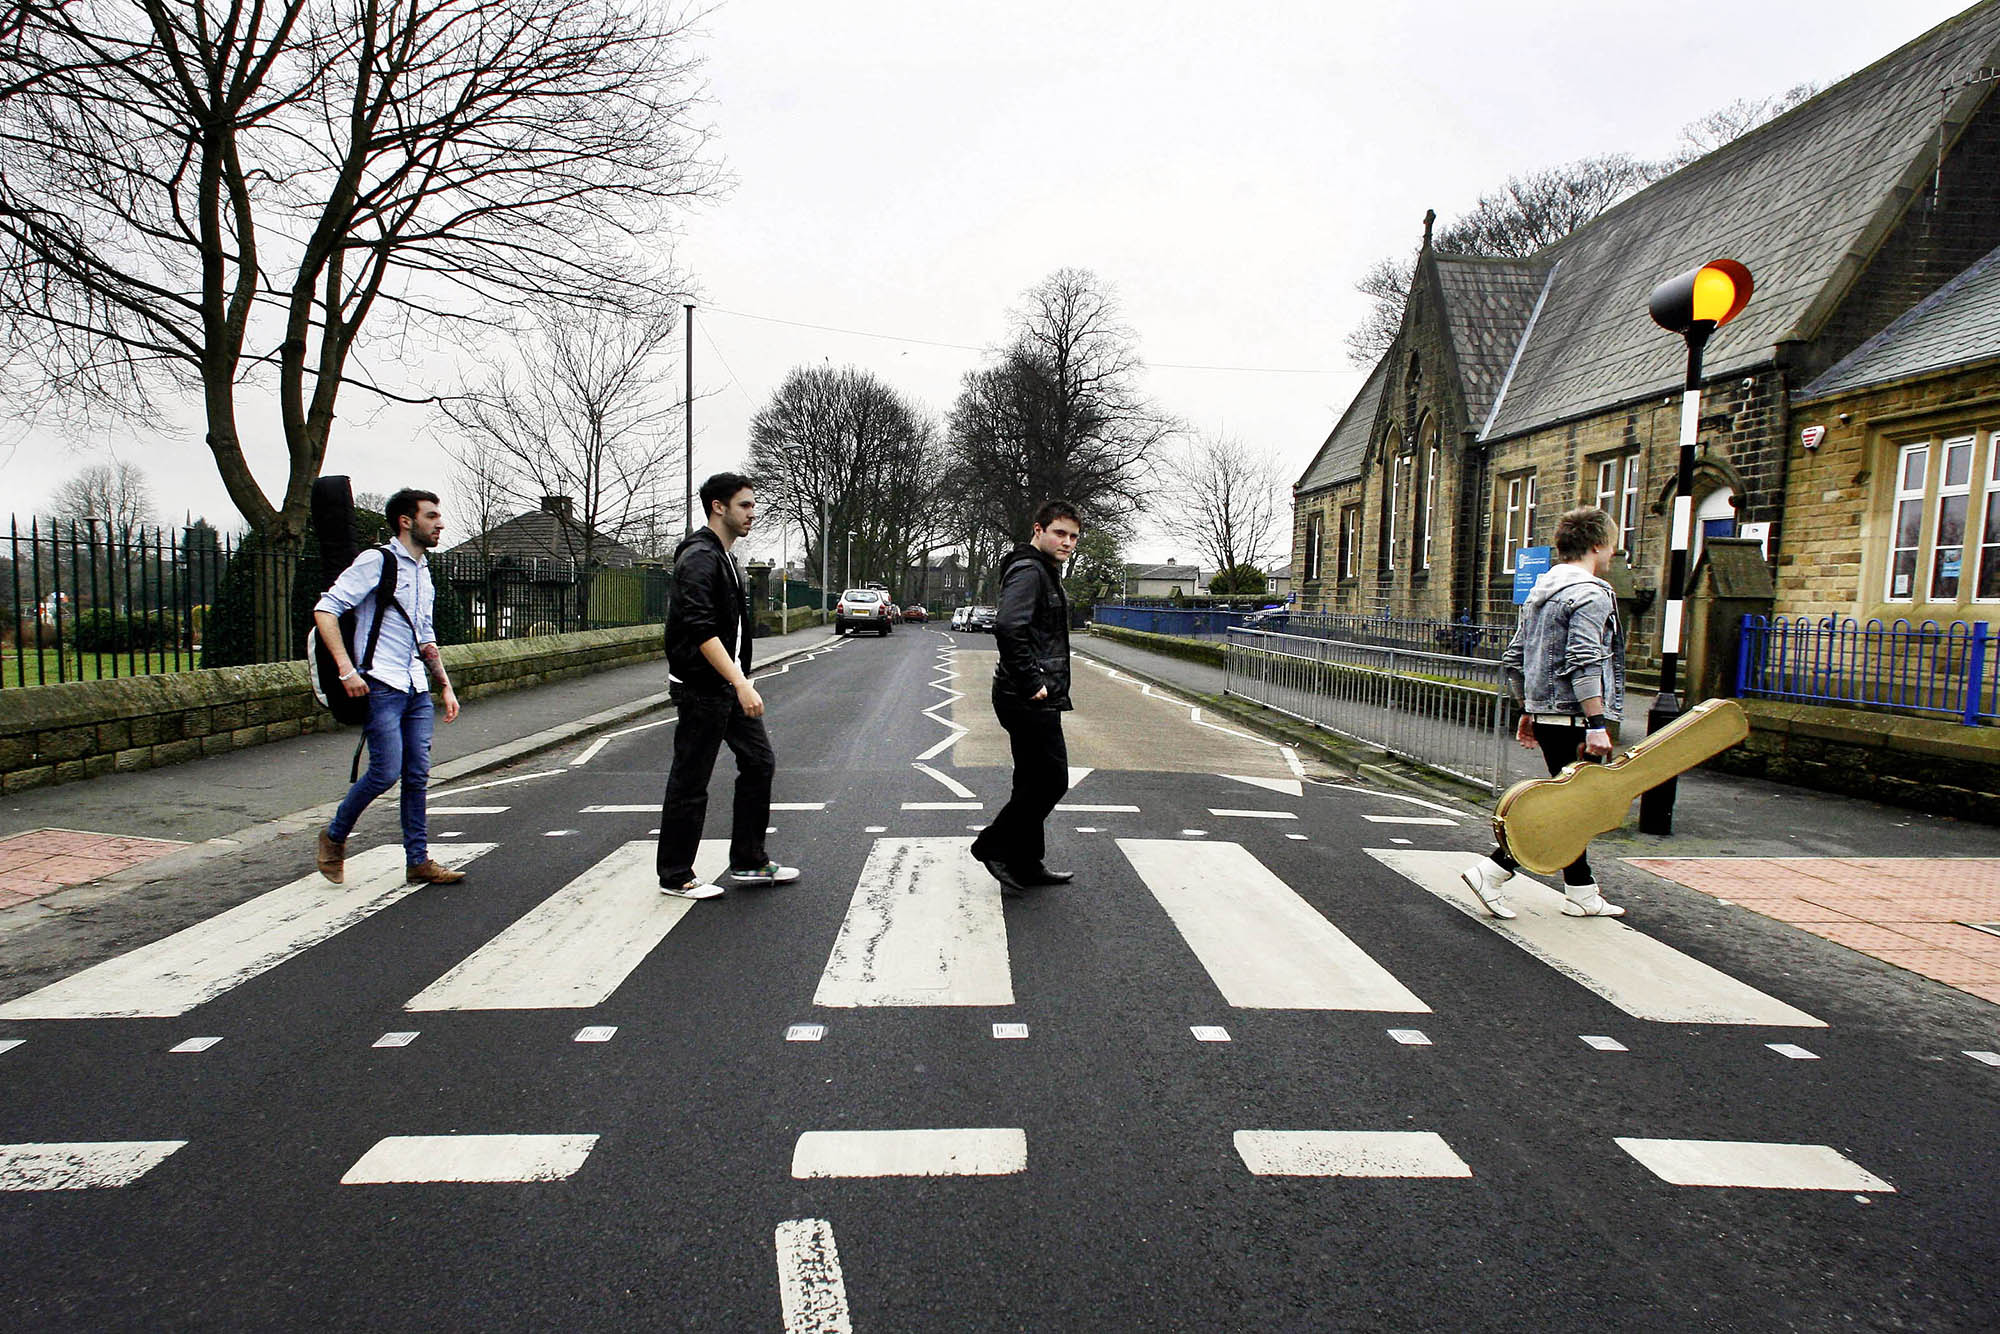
[(1596, 723), (349, 676)]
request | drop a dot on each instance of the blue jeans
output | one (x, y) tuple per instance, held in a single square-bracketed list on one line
[(399, 746)]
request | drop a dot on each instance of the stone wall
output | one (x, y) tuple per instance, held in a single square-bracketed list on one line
[(1942, 768), (61, 733)]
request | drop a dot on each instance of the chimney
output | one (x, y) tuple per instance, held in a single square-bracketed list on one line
[(560, 506)]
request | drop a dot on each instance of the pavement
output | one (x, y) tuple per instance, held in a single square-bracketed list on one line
[(1902, 886)]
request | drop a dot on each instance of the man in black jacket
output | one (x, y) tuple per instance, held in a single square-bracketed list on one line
[(708, 674), (1030, 696)]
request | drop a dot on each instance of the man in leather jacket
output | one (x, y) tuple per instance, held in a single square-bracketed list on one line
[(1030, 696)]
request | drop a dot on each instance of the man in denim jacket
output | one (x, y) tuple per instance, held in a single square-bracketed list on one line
[(1566, 669)]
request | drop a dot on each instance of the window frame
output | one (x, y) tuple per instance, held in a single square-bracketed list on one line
[(1349, 560), (1621, 498), (1315, 538), (1519, 500)]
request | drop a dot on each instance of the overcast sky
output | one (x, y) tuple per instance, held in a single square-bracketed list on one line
[(905, 170)]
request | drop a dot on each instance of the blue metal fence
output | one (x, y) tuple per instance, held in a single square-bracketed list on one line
[(1925, 668)]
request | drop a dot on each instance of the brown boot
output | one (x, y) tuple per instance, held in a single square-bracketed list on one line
[(430, 873), (332, 858)]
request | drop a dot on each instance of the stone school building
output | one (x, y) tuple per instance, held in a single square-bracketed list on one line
[(1520, 388)]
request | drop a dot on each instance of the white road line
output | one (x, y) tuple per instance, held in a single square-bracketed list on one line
[(1792, 1050), (480, 1158), (1253, 815), (1265, 947), (910, 1153), (171, 976), (1602, 1043), (576, 947), (944, 806), (1718, 1162), (1077, 773), (193, 1045), (8, 1044), (810, 1288), (1348, 1153), (1096, 809), (649, 808), (1638, 974), (1409, 819), (469, 810), (644, 727), (1291, 754), (590, 752), (944, 745), (924, 928), (952, 785), (497, 782), (1983, 1057), (797, 806), (1390, 796), (1291, 787), (82, 1165)]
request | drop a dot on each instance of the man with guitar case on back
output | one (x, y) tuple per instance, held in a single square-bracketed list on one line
[(1566, 668), (390, 595)]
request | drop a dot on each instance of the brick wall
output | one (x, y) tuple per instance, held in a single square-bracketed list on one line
[(61, 733)]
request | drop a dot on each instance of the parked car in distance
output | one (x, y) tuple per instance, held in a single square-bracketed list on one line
[(861, 609), (915, 612), (982, 619), (958, 617)]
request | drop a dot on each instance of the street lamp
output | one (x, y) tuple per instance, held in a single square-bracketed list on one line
[(849, 583), (1693, 305)]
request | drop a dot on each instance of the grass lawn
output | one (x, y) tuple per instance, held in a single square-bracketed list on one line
[(35, 667)]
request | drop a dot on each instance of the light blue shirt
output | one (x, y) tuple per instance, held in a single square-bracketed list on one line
[(396, 663)]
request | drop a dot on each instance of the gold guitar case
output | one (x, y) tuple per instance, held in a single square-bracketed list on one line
[(1546, 823)]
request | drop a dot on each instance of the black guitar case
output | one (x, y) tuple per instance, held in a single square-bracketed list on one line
[(333, 522)]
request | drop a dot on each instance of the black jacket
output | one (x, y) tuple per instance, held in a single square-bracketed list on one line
[(709, 602), (1031, 626)]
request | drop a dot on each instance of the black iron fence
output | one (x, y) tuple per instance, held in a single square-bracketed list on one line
[(87, 601)]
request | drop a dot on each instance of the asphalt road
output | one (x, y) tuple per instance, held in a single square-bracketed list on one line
[(706, 1168)]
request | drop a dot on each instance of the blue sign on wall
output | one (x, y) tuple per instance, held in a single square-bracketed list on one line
[(1529, 562)]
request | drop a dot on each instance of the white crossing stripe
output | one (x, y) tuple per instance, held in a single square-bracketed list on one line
[(1792, 1050), (470, 810), (794, 806), (1721, 1162), (8, 1044), (1096, 810), (81, 1166), (951, 785), (171, 976), (648, 808), (1291, 787), (1983, 1057), (910, 1153), (481, 1158), (943, 806), (576, 947), (1077, 773), (924, 928), (1265, 947), (1408, 819), (1640, 975), (1254, 815), (810, 1288), (1348, 1153)]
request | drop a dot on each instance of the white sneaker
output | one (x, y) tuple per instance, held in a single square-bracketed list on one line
[(770, 873), (1484, 878), (693, 889), (1585, 901)]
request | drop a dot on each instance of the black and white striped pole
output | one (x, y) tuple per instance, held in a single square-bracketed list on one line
[(1693, 305)]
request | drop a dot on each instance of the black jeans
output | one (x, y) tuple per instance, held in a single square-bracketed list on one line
[(706, 721), (1041, 776), (1561, 746)]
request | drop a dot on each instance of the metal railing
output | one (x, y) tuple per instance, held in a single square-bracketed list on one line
[(1925, 668), (1464, 639), (1442, 710), (517, 597)]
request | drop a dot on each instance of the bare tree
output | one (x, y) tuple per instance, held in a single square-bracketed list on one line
[(581, 415), (205, 195), (480, 493), (842, 444), (1059, 415), (115, 494), (1228, 501), (1703, 136)]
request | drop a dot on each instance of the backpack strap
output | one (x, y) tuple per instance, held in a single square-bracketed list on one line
[(385, 592)]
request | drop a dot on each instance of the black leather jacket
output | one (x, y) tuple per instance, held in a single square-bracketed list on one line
[(1031, 626), (709, 602)]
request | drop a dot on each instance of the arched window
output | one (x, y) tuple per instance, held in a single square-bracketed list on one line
[(1424, 524), (1392, 477)]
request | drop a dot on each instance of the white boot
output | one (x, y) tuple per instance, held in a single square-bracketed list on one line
[(1484, 878), (1585, 901)]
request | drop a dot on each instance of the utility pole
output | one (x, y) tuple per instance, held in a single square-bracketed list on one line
[(688, 460)]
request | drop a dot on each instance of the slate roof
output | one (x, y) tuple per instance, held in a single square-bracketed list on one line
[(1175, 571), (1339, 459), (536, 535), (1803, 201), (1486, 306), (1953, 326)]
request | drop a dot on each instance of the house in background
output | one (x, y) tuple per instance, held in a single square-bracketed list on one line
[(1279, 580), (1164, 581), (1519, 388), (551, 532), (544, 572)]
